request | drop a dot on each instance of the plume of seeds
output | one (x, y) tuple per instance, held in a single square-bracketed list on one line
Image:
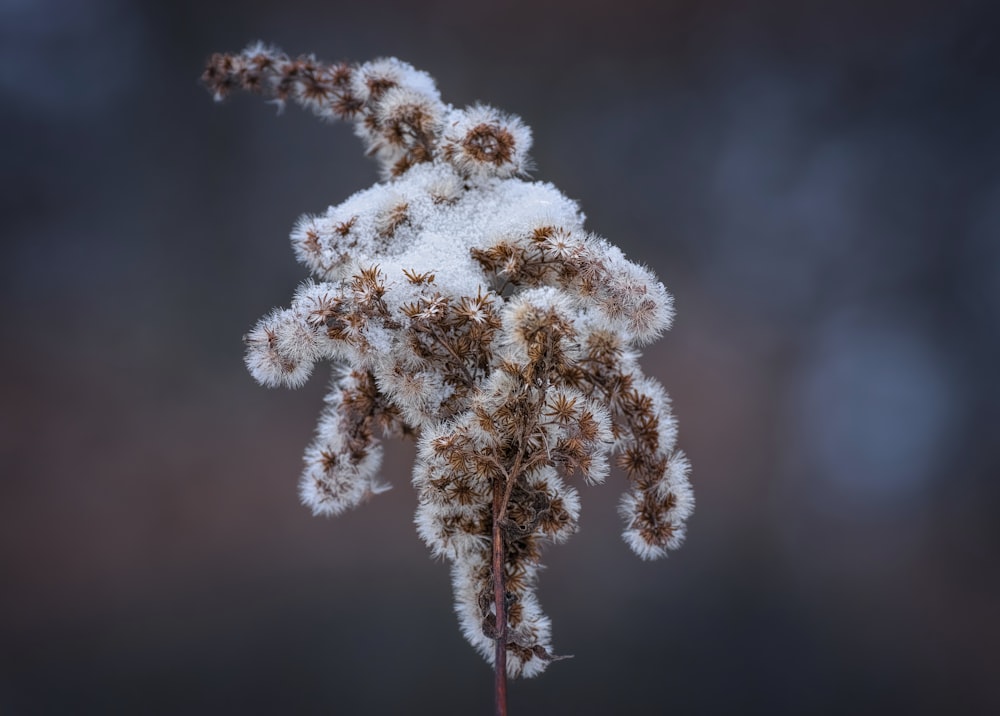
[(466, 307)]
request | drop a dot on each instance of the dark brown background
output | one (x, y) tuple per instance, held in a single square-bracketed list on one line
[(818, 185)]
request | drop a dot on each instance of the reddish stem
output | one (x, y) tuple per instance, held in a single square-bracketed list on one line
[(499, 601)]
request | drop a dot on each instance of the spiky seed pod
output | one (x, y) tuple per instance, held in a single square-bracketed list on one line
[(481, 142)]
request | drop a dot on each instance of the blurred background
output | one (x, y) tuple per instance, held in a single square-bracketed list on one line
[(817, 184)]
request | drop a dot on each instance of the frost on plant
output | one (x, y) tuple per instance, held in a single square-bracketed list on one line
[(466, 307)]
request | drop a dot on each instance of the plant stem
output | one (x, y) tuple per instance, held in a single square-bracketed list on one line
[(501, 500), (499, 601)]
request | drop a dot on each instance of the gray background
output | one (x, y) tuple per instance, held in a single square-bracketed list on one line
[(817, 183)]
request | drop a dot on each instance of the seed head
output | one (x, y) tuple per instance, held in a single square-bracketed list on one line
[(466, 307)]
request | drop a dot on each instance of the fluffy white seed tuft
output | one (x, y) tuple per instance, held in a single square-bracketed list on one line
[(482, 143)]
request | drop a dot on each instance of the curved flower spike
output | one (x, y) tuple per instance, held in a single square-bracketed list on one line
[(468, 308)]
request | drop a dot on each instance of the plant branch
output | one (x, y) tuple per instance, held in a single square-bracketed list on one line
[(500, 603), (501, 499)]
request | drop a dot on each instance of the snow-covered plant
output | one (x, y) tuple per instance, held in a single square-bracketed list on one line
[(466, 307)]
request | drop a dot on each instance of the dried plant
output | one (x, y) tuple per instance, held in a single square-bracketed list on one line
[(466, 307)]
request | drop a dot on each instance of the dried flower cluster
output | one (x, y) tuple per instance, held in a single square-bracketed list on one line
[(466, 307)]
